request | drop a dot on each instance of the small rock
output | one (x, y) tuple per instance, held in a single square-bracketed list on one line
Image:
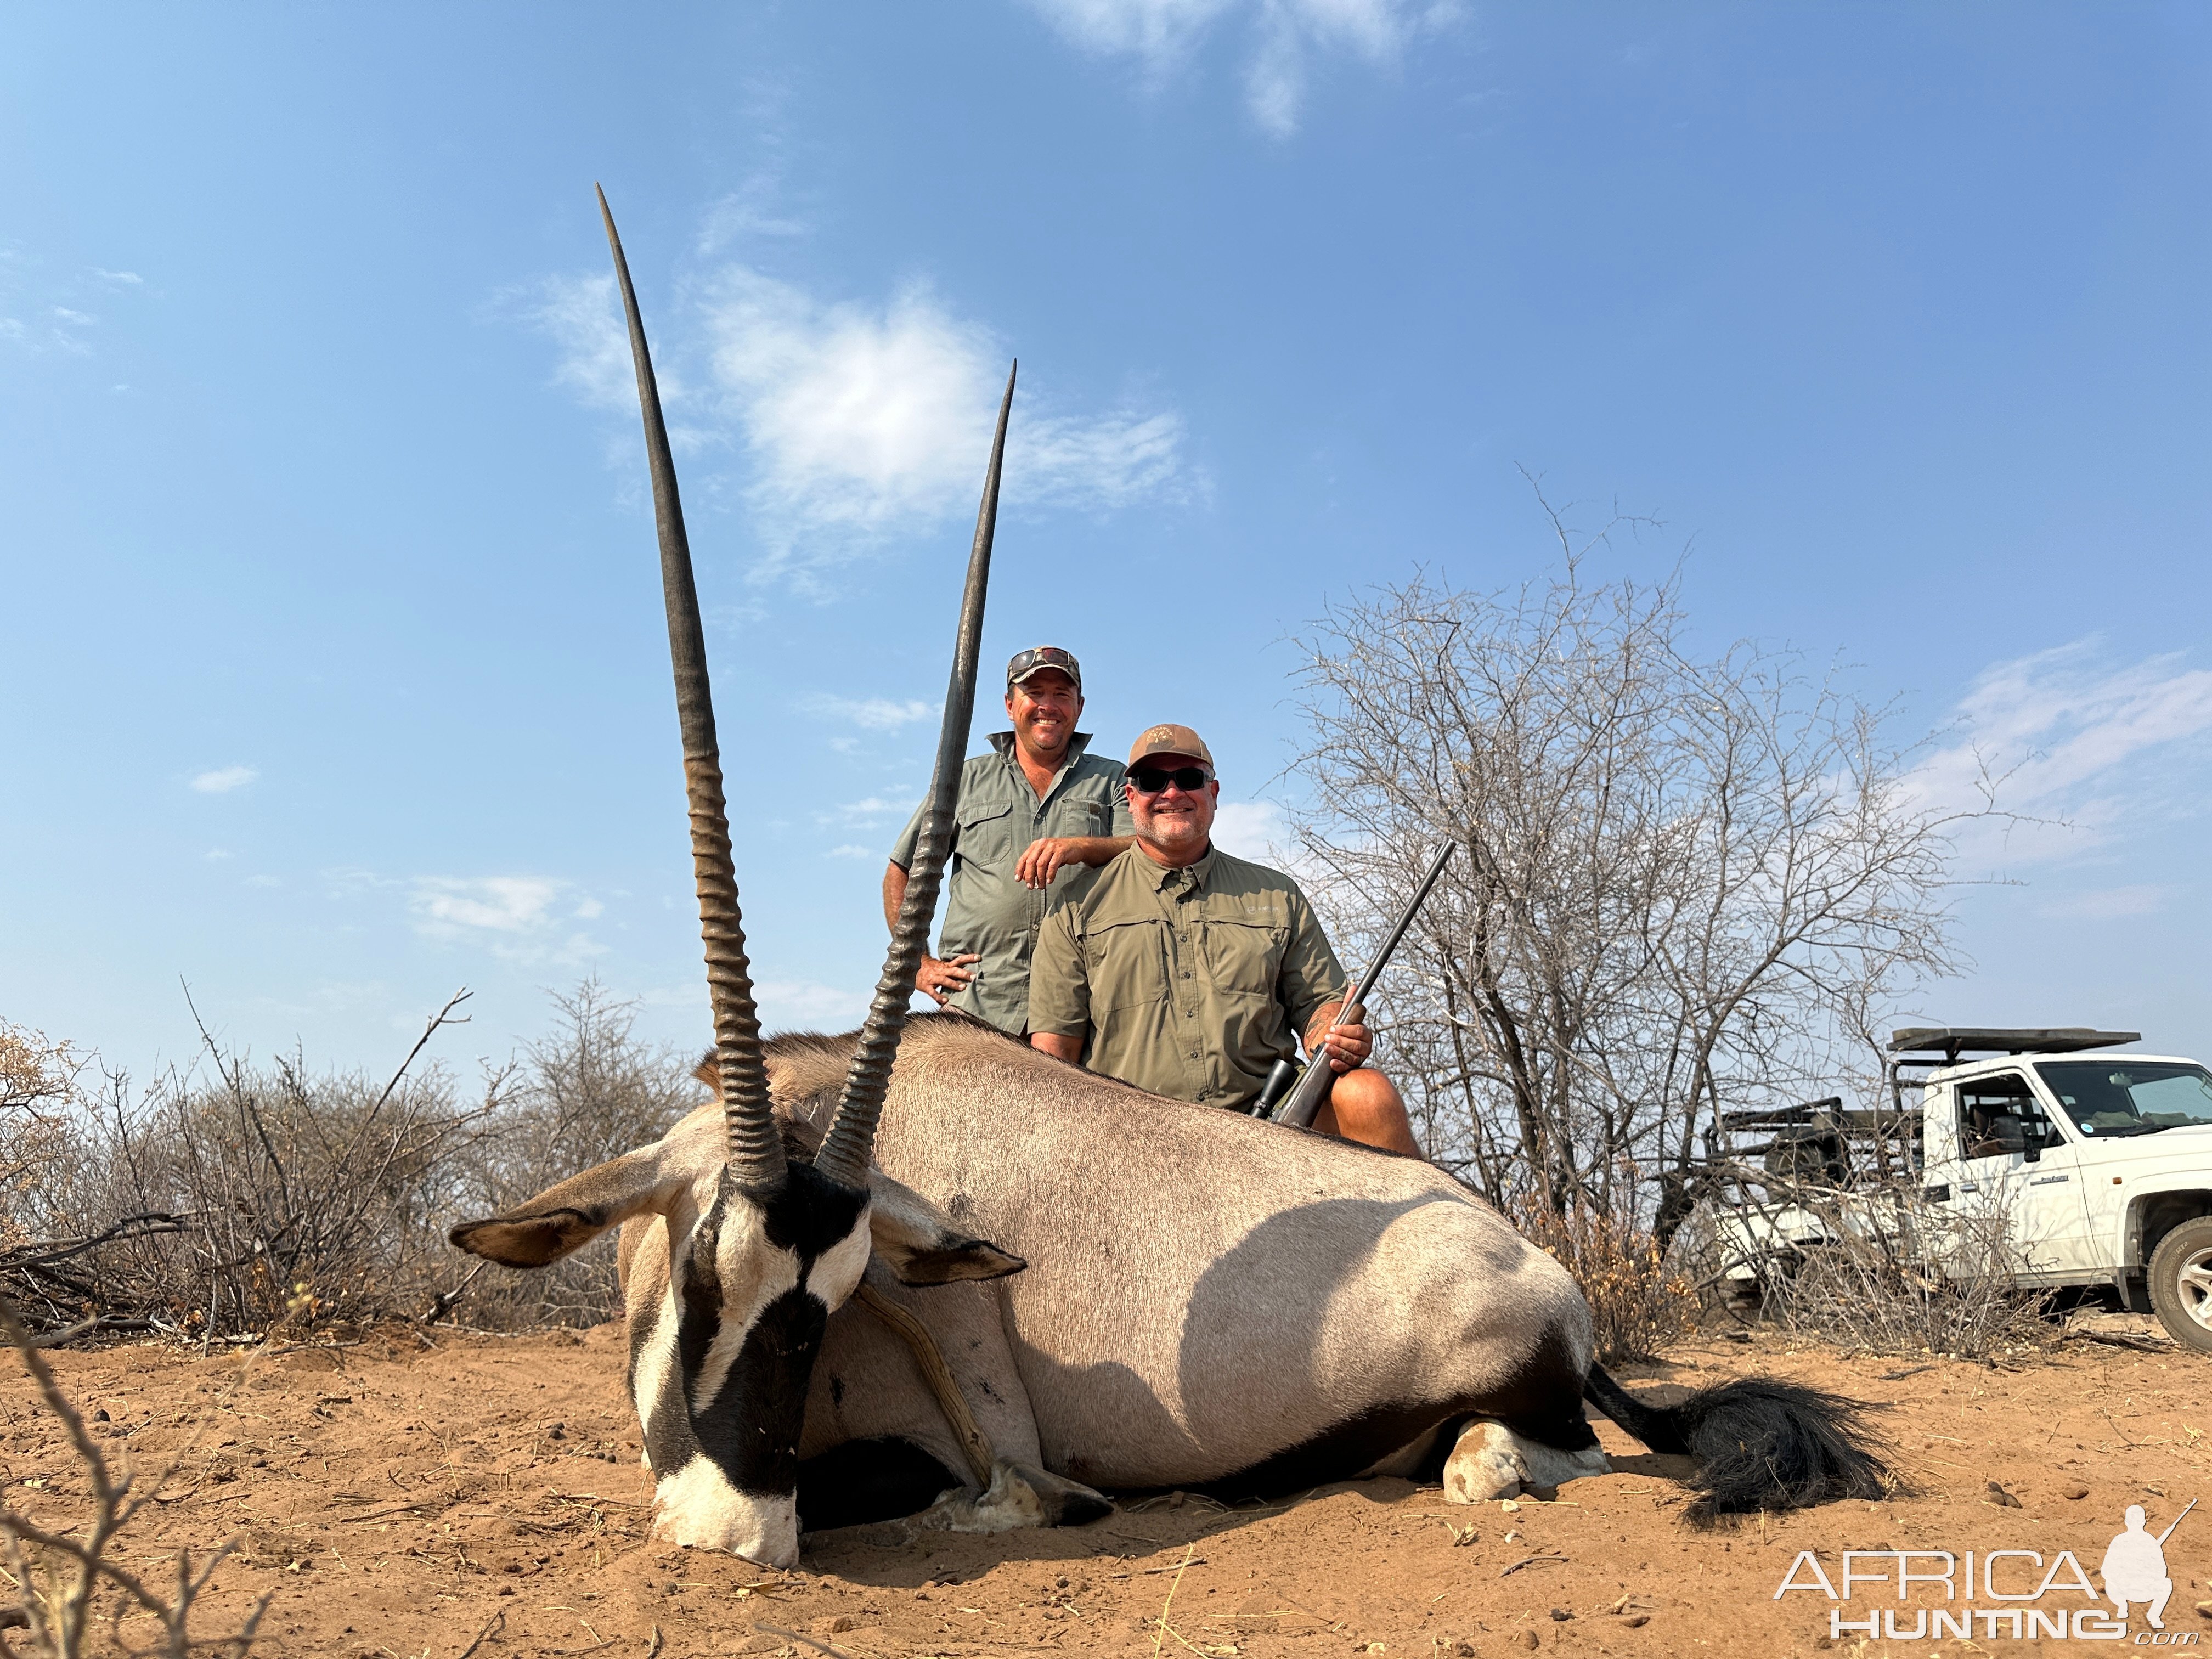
[(2001, 1498), (1637, 1620), (2204, 1609), (1463, 1649), (838, 1625), (921, 1595), (2073, 1489), (1530, 1640), (101, 1416), (1561, 1614), (557, 1432), (1177, 1499), (1060, 1583)]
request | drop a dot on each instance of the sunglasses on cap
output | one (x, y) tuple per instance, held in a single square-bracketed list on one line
[(1151, 779)]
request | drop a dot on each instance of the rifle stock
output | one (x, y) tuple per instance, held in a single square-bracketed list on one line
[(1304, 1098)]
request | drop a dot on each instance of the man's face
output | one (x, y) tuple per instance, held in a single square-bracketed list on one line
[(1044, 708), (1176, 820)]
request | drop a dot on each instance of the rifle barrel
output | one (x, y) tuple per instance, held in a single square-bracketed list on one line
[(1299, 1107)]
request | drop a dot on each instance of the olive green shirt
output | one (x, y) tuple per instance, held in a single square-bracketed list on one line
[(997, 816), (1191, 983)]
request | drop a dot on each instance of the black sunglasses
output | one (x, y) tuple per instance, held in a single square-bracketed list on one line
[(1150, 779)]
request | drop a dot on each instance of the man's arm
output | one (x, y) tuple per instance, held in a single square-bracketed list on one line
[(1043, 859), (935, 980), (1060, 991), (1347, 1046)]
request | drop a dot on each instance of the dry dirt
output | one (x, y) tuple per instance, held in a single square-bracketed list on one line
[(394, 1501)]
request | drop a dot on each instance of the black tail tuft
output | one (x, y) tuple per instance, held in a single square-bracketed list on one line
[(1760, 1444)]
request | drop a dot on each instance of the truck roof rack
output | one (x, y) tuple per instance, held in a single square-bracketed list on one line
[(1951, 1042)]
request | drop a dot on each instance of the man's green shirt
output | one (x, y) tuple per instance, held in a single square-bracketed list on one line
[(1191, 983), (996, 817)]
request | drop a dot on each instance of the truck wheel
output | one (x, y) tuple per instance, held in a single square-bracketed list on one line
[(2181, 1284)]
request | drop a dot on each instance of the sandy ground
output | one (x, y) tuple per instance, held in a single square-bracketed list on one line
[(395, 1501)]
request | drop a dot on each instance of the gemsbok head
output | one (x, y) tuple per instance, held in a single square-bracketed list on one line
[(745, 1244)]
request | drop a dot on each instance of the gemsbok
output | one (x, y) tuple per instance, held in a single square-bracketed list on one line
[(1064, 1284)]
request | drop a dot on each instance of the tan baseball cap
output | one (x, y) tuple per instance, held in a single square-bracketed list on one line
[(1170, 740)]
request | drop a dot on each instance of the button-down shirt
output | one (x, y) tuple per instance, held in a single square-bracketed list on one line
[(1192, 983), (998, 815)]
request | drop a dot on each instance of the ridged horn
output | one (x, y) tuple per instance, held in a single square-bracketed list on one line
[(755, 1149), (852, 1137)]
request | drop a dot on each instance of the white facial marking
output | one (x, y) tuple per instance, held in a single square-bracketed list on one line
[(656, 1364), (838, 1269), (754, 1272), (698, 1505)]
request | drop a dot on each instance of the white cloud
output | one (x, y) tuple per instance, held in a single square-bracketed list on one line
[(873, 808), (2086, 746), (224, 779), (849, 851), (583, 315), (1248, 829), (854, 421), (870, 714), (120, 278), (862, 419), (517, 916), (1287, 37), (2107, 904), (802, 1004)]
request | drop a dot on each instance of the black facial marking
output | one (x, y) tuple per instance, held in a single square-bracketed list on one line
[(750, 1428)]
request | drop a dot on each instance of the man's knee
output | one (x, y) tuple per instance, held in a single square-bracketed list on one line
[(1363, 1105)]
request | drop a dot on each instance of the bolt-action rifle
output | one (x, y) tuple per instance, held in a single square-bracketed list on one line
[(1289, 1097)]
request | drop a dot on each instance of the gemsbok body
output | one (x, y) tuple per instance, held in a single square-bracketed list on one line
[(1069, 1284)]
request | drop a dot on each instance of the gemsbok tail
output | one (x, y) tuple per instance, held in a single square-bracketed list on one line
[(1760, 1444)]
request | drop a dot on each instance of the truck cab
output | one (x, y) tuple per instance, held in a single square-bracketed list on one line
[(2035, 1156), (2099, 1163)]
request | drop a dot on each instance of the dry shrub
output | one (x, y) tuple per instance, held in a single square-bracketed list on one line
[(243, 1197), (229, 1206), (1637, 1303), (70, 1576), (1882, 1271), (37, 1080), (585, 1092)]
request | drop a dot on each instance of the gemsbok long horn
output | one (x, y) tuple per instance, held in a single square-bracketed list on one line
[(755, 1148), (852, 1137)]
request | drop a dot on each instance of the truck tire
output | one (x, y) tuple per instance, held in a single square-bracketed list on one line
[(2181, 1284)]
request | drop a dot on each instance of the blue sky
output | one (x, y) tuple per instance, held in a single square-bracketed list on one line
[(334, 675)]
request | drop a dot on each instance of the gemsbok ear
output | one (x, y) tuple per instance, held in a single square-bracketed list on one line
[(921, 1246), (562, 1219)]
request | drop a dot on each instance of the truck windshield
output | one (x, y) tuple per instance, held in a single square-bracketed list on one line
[(2129, 1097)]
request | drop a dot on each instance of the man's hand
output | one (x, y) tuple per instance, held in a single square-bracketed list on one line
[(939, 980), (1345, 1047), (1043, 859)]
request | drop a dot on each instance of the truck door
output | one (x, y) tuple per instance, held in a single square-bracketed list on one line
[(2015, 1178)]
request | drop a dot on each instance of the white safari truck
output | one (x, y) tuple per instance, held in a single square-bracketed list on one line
[(2099, 1165)]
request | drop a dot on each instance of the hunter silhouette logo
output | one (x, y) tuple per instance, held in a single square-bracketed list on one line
[(2133, 1569), (2028, 1590)]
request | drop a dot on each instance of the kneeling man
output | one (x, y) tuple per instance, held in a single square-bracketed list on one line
[(1189, 973)]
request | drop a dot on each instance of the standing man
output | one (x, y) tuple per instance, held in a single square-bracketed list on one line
[(1030, 812), (1189, 973)]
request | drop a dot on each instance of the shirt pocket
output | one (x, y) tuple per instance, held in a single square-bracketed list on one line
[(987, 836), (1126, 963), (1244, 959), (1080, 818)]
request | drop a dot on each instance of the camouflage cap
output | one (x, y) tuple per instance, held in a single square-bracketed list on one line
[(1170, 740), (1026, 663)]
